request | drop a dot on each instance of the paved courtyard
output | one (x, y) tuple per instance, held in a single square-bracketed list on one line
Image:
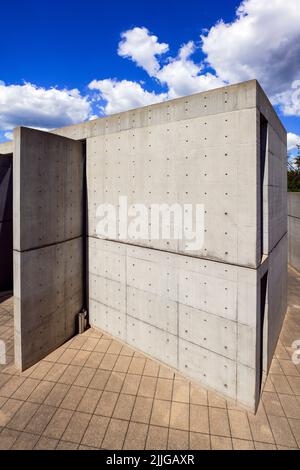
[(96, 393)]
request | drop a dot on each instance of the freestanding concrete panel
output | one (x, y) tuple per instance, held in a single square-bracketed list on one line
[(294, 229), (6, 225), (48, 242)]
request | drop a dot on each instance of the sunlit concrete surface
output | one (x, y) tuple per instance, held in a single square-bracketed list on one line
[(97, 393), (223, 150)]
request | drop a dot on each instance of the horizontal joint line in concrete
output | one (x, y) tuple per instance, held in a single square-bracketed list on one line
[(186, 255), (165, 331), (216, 315), (185, 118), (184, 339), (48, 245), (108, 306)]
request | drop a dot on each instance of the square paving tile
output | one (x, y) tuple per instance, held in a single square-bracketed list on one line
[(178, 440), (157, 438), (199, 419), (136, 436), (124, 406), (180, 417), (76, 428), (89, 400), (221, 443), (219, 423), (106, 404), (142, 410), (115, 434), (199, 441), (95, 431), (147, 386), (282, 431), (58, 424), (25, 441)]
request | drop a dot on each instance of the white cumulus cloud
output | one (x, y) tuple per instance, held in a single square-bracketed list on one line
[(292, 141), (123, 95), (143, 48), (289, 101), (184, 77), (180, 75), (263, 42), (8, 135), (29, 105)]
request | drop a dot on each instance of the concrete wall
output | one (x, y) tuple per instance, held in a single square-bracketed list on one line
[(273, 173), (294, 229), (227, 150), (276, 303), (215, 313), (6, 225), (48, 242), (175, 162), (166, 305), (272, 148)]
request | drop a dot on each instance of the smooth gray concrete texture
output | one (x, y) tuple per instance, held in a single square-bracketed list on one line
[(48, 296), (48, 242), (276, 298), (153, 296), (294, 229), (6, 224), (275, 191), (166, 305), (225, 99), (186, 162), (48, 208), (214, 314)]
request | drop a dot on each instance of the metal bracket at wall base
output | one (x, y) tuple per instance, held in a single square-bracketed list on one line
[(82, 321)]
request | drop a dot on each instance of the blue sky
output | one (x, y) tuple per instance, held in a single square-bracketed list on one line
[(64, 62)]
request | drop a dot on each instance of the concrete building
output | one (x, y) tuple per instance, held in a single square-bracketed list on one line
[(214, 313)]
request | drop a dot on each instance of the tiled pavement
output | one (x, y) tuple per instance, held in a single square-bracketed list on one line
[(96, 393)]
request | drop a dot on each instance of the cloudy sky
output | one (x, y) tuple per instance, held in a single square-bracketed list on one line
[(64, 62)]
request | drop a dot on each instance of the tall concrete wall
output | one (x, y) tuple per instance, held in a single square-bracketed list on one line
[(198, 316), (216, 314), (6, 225), (272, 148), (186, 162), (273, 173), (48, 242), (294, 229)]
